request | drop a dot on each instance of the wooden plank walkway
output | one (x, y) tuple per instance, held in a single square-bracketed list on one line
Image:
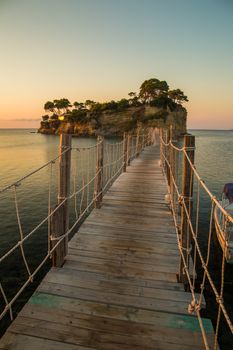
[(118, 288)]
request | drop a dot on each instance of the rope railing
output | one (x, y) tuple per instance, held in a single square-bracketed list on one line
[(84, 175), (183, 205)]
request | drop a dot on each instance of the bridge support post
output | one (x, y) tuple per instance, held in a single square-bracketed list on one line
[(187, 194), (137, 142), (161, 146), (125, 151), (143, 140), (128, 149), (60, 219), (171, 161), (99, 172), (167, 151)]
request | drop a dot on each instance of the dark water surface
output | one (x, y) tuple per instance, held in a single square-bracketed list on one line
[(22, 151), (214, 163)]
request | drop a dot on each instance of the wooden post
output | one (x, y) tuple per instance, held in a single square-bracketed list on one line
[(187, 193), (143, 140), (171, 160), (99, 172), (161, 146), (137, 142), (167, 149), (148, 137), (125, 151), (132, 147), (128, 149), (151, 136), (60, 219)]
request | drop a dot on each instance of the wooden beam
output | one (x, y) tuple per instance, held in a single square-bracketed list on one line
[(60, 219), (187, 193)]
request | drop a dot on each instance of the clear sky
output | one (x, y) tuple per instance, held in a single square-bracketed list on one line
[(103, 49)]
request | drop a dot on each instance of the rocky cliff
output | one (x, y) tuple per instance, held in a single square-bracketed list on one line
[(110, 123)]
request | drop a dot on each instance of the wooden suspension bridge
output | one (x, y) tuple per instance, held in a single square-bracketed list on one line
[(118, 287)]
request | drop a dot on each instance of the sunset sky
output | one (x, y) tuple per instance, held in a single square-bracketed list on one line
[(103, 49)]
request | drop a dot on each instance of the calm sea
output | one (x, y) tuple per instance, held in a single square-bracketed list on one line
[(21, 151)]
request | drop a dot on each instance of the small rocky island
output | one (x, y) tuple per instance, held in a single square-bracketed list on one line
[(155, 105)]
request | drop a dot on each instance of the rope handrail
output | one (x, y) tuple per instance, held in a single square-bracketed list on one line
[(79, 148), (200, 180), (177, 199), (81, 198), (199, 251), (18, 182)]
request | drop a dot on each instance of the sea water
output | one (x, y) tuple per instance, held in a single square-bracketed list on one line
[(22, 151)]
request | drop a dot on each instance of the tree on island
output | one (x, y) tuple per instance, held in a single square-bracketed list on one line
[(151, 89), (89, 104), (58, 107), (49, 106), (78, 105), (153, 92), (177, 96)]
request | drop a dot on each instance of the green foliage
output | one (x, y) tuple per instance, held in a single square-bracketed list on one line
[(152, 88), (132, 94), (77, 116), (96, 108), (177, 96), (164, 102), (49, 106), (78, 105), (89, 104), (45, 118), (122, 104), (54, 116), (58, 107), (153, 91), (112, 105), (62, 105)]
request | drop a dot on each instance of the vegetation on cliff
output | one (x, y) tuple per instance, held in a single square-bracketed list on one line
[(152, 93)]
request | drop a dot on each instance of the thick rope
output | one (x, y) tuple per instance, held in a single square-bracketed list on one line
[(83, 190), (194, 234)]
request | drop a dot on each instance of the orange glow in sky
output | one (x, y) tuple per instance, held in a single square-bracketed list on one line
[(101, 50)]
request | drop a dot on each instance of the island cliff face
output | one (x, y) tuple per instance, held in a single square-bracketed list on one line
[(110, 123)]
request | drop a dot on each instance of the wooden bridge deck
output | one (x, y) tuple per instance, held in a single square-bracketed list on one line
[(118, 288)]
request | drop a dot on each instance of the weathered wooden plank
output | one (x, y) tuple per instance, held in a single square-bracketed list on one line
[(139, 229), (26, 342), (121, 263), (125, 245), (119, 271), (127, 224), (113, 326), (118, 288), (85, 337), (162, 233), (125, 241), (134, 281), (166, 305), (117, 312), (154, 259)]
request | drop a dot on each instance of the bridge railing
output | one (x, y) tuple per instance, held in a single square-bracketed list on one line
[(186, 191), (84, 174)]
